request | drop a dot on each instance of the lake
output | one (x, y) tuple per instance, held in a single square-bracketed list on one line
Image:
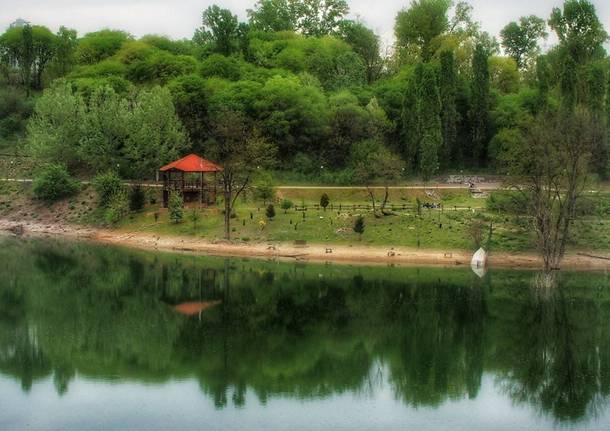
[(102, 338)]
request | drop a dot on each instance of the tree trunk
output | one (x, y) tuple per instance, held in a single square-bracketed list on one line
[(372, 195), (227, 196), (385, 200)]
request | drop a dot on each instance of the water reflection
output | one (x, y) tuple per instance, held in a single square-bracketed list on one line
[(302, 332)]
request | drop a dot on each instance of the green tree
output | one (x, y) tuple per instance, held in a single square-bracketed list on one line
[(417, 26), (264, 188), (359, 226), (291, 115), (137, 198), (373, 164), (53, 182), (551, 167), (324, 201), (176, 207), (320, 17), (520, 40), (97, 46), (30, 49), (596, 104), (66, 45), (219, 28), (155, 135), (309, 17), (270, 212), (366, 44), (429, 111), (286, 205), (274, 15), (118, 207), (108, 131), (410, 127), (480, 105), (240, 150), (449, 114), (348, 124), (190, 96), (581, 33), (194, 217), (56, 127), (107, 185), (543, 81)]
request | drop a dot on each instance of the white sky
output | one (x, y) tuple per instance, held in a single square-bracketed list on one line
[(179, 18)]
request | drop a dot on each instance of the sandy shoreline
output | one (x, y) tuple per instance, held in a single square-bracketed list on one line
[(364, 255)]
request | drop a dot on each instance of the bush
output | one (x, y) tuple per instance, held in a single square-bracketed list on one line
[(107, 185), (305, 164), (324, 201), (137, 198), (264, 188), (176, 207), (117, 207), (270, 212), (359, 226), (194, 217), (286, 205), (54, 182), (509, 202)]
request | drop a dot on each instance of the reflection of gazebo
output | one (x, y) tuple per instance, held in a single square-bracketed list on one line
[(187, 177)]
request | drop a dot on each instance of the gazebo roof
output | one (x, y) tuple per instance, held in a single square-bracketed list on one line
[(192, 163)]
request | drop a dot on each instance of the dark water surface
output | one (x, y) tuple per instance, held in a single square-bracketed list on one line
[(101, 338)]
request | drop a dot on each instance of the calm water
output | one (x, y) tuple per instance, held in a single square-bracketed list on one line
[(102, 338)]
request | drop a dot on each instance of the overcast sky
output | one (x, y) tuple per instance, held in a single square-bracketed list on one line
[(179, 18)]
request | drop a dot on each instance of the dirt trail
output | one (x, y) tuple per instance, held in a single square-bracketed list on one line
[(347, 254)]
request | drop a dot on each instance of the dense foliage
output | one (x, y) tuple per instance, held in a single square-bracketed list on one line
[(311, 82), (54, 182)]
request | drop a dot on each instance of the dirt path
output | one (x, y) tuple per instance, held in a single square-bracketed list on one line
[(284, 251), (436, 186)]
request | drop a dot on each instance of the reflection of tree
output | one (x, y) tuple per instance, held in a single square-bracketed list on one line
[(563, 360), (299, 331), (441, 345)]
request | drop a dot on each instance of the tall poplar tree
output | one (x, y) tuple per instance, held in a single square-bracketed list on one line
[(430, 123), (449, 115), (480, 101), (596, 103), (410, 130), (543, 77)]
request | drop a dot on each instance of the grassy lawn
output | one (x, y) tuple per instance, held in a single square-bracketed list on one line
[(434, 229)]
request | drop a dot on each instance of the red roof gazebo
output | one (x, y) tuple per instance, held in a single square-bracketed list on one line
[(192, 185)]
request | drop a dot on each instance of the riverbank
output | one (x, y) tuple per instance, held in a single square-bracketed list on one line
[(345, 254)]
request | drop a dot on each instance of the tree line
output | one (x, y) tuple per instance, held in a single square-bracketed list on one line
[(316, 85)]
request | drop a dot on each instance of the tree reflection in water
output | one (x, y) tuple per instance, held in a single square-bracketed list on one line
[(306, 332)]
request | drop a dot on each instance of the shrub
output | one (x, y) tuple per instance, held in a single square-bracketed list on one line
[(117, 208), (286, 205), (53, 182), (107, 185), (359, 226), (264, 188), (137, 198), (510, 202), (270, 212), (324, 201), (194, 217), (176, 207)]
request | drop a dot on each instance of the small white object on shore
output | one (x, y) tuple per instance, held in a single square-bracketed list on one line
[(479, 262)]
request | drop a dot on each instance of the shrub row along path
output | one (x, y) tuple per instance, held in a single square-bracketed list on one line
[(345, 254)]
